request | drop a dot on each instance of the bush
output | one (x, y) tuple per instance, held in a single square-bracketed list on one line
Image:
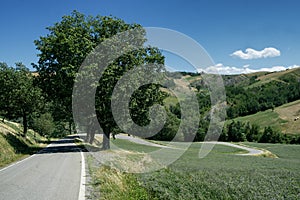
[(169, 130), (270, 136), (59, 130), (236, 132), (44, 124)]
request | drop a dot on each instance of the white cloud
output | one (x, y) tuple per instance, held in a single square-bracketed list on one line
[(254, 54), (222, 69), (246, 66), (293, 66)]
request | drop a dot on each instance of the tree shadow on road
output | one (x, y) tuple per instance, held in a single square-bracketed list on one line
[(69, 144), (66, 145)]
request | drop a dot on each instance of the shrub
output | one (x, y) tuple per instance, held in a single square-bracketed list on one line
[(270, 136), (44, 124)]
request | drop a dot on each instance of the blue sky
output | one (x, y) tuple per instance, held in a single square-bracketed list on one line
[(221, 27)]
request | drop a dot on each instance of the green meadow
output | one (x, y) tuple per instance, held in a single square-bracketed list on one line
[(223, 174)]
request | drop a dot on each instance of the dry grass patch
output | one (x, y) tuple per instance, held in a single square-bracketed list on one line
[(290, 112)]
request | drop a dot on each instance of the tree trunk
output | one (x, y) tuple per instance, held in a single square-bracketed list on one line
[(74, 128), (92, 136), (106, 142), (91, 131), (88, 133), (70, 127), (25, 125)]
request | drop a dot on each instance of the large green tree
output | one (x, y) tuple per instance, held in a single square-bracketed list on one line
[(62, 52), (148, 59)]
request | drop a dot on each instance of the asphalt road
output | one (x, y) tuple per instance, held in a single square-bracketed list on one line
[(53, 173), (251, 151)]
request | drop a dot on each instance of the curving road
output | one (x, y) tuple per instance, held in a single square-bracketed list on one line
[(251, 151), (140, 141), (53, 173)]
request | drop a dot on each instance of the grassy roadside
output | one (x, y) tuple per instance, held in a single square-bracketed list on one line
[(110, 183), (13, 146), (220, 175)]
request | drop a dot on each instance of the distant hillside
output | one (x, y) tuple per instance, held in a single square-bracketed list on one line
[(283, 118), (277, 76), (251, 79), (262, 98), (250, 93)]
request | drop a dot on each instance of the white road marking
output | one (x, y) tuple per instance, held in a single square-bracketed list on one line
[(9, 166), (16, 163), (83, 179)]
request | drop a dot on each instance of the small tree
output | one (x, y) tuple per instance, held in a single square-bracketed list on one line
[(270, 136), (254, 133), (170, 129), (236, 132), (7, 82), (19, 96), (44, 124)]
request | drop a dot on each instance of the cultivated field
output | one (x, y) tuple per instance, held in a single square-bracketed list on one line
[(223, 174), (282, 118)]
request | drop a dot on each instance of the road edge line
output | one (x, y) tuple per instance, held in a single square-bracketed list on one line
[(81, 195), (22, 160), (16, 163)]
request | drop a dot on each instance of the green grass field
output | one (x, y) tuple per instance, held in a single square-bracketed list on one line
[(263, 119), (220, 175)]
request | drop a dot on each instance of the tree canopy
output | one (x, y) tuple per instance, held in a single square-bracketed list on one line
[(64, 49), (19, 96)]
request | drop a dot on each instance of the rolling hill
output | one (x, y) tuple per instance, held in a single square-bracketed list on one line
[(251, 79), (282, 118), (262, 98)]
